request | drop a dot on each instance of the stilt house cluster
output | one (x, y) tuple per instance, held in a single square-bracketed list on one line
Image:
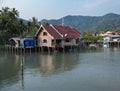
[(50, 36)]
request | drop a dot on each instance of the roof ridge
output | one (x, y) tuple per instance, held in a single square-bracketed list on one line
[(56, 30)]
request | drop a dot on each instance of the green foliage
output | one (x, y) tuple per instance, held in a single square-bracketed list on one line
[(118, 30), (91, 38), (45, 24), (8, 23), (12, 26), (32, 26)]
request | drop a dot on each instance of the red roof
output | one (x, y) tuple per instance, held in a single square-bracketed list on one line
[(59, 32), (52, 32), (68, 31)]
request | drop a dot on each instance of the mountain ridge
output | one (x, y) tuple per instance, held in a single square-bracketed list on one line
[(110, 21)]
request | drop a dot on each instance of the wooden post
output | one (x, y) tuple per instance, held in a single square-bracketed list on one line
[(41, 49), (21, 50), (63, 48), (22, 71), (24, 50), (48, 49), (12, 50), (35, 48), (30, 50), (53, 49), (118, 43), (15, 50)]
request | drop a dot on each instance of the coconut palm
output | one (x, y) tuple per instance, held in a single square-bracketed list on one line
[(5, 9), (15, 12), (32, 26)]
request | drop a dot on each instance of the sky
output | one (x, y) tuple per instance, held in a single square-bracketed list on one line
[(55, 9)]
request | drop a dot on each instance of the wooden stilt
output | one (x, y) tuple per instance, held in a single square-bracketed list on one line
[(49, 49), (41, 49), (30, 50), (24, 50)]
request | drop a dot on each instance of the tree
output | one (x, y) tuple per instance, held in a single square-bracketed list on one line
[(91, 38), (15, 12), (45, 24), (32, 26), (5, 9), (118, 30), (10, 24)]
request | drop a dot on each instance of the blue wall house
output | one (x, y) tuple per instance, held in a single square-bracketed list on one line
[(22, 42), (29, 43)]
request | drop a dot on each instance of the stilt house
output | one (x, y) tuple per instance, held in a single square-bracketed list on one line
[(57, 36)]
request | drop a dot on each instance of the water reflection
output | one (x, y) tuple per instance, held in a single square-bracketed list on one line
[(88, 70), (9, 69), (46, 64), (51, 63), (22, 64), (56, 63), (13, 67)]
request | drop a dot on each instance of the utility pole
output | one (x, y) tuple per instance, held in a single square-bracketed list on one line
[(62, 21)]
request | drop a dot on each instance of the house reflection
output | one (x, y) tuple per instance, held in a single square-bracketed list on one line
[(57, 63), (46, 64), (11, 70), (50, 63)]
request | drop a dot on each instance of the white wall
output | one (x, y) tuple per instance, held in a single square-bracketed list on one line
[(41, 37), (72, 42), (106, 39)]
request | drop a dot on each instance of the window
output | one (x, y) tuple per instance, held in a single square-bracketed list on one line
[(67, 40), (44, 33), (53, 42), (77, 40), (44, 41)]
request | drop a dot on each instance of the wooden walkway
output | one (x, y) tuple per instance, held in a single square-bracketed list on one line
[(114, 43), (41, 49)]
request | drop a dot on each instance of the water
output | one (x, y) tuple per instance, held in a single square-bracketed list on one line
[(89, 70)]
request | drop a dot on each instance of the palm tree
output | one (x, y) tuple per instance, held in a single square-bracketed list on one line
[(5, 9), (15, 12), (34, 21), (32, 26), (9, 23), (21, 28)]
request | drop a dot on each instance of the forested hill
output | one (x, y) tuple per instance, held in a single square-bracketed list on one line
[(109, 21)]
